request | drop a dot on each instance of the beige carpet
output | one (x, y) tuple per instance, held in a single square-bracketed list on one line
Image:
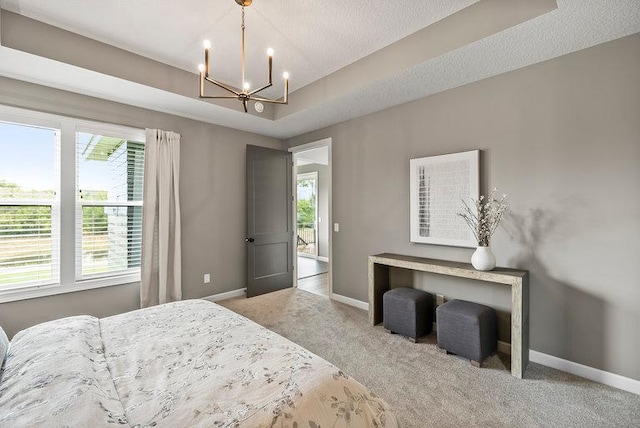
[(428, 388)]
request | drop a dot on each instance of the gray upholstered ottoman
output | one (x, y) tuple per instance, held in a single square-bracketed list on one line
[(408, 312), (468, 329)]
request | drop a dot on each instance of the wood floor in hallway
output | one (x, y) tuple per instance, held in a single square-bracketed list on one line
[(318, 284)]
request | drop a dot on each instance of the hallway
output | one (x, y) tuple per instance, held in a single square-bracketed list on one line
[(318, 284), (310, 267)]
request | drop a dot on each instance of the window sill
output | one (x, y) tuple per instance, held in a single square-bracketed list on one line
[(25, 293)]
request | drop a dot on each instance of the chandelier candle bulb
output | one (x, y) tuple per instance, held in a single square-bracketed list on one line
[(207, 46), (201, 70), (286, 87)]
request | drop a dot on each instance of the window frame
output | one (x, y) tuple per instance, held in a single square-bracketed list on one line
[(114, 131), (67, 202)]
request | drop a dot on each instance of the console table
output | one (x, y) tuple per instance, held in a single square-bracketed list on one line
[(518, 280)]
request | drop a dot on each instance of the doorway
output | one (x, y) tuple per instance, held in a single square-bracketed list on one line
[(312, 211)]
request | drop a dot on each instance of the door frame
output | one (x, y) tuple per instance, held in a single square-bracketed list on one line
[(326, 142), (305, 176)]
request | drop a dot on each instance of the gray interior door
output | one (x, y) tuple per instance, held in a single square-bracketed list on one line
[(269, 220)]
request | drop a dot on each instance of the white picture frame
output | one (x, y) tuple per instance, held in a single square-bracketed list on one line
[(438, 185)]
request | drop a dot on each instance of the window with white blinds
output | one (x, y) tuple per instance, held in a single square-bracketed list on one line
[(70, 204), (109, 216), (29, 207)]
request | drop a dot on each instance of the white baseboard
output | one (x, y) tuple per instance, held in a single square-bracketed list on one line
[(349, 301), (504, 347), (596, 375), (323, 259), (240, 292)]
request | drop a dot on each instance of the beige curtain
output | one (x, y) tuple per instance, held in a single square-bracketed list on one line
[(161, 250)]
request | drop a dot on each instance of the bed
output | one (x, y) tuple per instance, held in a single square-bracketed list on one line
[(185, 364)]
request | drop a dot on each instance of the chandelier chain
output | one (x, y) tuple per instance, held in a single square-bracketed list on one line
[(244, 89)]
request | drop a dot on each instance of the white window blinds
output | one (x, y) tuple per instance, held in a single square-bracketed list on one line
[(29, 205), (70, 204), (109, 204)]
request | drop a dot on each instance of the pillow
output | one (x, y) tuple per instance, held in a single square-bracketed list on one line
[(4, 346)]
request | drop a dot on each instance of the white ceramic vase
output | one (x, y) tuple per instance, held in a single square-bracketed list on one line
[(483, 259)]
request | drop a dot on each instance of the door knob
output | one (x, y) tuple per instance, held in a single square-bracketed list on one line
[(249, 240)]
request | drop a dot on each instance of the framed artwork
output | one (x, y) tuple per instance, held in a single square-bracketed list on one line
[(439, 184)]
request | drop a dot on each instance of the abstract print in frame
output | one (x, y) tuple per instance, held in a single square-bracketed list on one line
[(439, 184)]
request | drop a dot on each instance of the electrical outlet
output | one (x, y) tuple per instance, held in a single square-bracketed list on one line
[(439, 299), (207, 278)]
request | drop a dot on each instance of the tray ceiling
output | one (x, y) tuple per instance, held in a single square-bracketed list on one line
[(346, 59), (311, 38)]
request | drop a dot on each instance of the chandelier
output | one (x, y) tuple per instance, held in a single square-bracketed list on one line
[(245, 94)]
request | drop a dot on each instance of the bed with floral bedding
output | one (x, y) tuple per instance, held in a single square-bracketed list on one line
[(185, 364)]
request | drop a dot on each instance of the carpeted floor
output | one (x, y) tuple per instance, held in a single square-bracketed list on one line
[(428, 388)]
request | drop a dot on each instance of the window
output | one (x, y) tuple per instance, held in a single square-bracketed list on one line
[(29, 209), (109, 216), (307, 213), (70, 204)]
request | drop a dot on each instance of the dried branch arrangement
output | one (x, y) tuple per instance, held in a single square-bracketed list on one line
[(483, 216)]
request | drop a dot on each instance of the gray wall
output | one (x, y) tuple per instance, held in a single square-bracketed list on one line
[(323, 204), (562, 139), (212, 193)]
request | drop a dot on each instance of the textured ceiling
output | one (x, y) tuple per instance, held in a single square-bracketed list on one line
[(319, 155), (574, 25), (311, 38)]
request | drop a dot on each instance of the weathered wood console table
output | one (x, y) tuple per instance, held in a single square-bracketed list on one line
[(517, 279)]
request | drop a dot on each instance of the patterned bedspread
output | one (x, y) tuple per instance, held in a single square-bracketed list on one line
[(184, 364)]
